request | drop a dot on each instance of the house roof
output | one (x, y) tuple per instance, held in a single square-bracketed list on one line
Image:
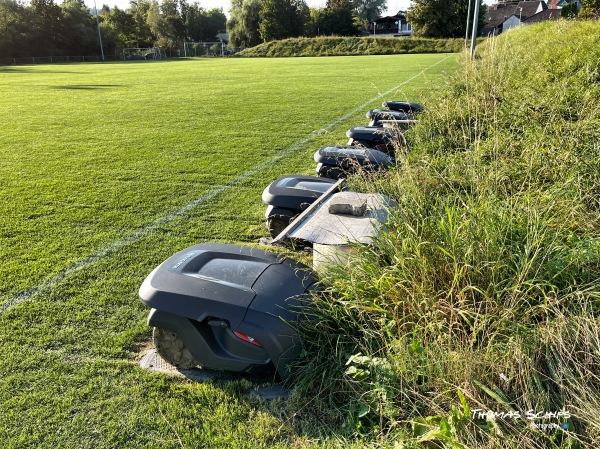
[(498, 14), (546, 14), (400, 15), (529, 8)]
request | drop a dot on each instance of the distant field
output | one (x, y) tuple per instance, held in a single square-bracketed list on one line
[(108, 169)]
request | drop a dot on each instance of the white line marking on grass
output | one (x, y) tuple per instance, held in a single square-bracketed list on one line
[(141, 233)]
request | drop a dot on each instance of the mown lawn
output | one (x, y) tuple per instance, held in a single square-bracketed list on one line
[(108, 169)]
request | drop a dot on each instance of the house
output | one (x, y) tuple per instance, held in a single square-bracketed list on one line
[(503, 16), (223, 37), (546, 14), (558, 4), (391, 26)]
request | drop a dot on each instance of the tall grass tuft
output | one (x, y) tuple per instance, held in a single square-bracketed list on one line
[(484, 293)]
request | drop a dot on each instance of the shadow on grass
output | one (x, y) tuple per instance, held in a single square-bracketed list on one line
[(87, 86), (32, 69), (263, 392)]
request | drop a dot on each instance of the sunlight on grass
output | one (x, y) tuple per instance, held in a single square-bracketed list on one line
[(92, 154)]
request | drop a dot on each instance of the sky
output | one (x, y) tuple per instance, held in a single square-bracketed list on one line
[(393, 5)]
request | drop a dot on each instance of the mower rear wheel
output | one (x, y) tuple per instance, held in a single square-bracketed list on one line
[(331, 173), (276, 224), (170, 347)]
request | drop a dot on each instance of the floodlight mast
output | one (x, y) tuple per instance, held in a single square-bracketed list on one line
[(475, 22), (467, 27), (99, 34)]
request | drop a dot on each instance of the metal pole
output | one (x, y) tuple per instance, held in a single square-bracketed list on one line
[(467, 27), (520, 12), (99, 34), (475, 22)]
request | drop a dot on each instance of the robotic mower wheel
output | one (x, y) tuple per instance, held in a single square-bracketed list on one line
[(171, 348), (276, 224), (331, 173)]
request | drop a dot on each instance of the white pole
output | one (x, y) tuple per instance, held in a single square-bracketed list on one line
[(475, 21), (99, 34), (467, 27)]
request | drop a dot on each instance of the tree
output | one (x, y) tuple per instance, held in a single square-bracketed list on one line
[(569, 11), (13, 28), (251, 21), (442, 18), (157, 24), (337, 18), (45, 37), (368, 10), (193, 22), (590, 10), (118, 30), (234, 24), (79, 32), (212, 22), (280, 19), (142, 32), (244, 23), (166, 23)]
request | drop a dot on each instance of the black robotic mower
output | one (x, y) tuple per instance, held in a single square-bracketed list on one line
[(380, 117), (382, 139), (403, 106), (227, 307), (288, 196), (337, 162)]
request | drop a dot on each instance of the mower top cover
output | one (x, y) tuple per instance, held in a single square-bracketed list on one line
[(376, 115), (403, 106), (295, 192), (348, 157), (372, 133), (224, 281)]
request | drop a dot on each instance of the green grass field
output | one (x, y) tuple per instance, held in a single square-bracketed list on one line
[(108, 169)]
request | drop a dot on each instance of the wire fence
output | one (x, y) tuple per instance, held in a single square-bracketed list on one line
[(55, 59), (198, 49)]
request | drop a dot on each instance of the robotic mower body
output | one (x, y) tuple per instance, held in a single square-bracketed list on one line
[(381, 139), (288, 196), (403, 106), (378, 117), (227, 307), (335, 162)]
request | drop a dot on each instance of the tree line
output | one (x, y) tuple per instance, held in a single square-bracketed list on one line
[(252, 22), (45, 28)]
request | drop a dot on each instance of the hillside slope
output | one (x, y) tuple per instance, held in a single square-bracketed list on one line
[(474, 321)]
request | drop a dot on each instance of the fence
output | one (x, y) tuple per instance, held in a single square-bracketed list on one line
[(54, 60), (193, 49), (206, 49)]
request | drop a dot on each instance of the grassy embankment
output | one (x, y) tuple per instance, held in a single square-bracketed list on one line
[(485, 292), (352, 46)]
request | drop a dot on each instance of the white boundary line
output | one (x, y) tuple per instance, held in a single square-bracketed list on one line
[(141, 233)]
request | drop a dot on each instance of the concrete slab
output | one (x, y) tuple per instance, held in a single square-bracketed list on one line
[(356, 217)]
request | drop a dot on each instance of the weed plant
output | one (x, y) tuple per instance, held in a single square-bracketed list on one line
[(483, 294)]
